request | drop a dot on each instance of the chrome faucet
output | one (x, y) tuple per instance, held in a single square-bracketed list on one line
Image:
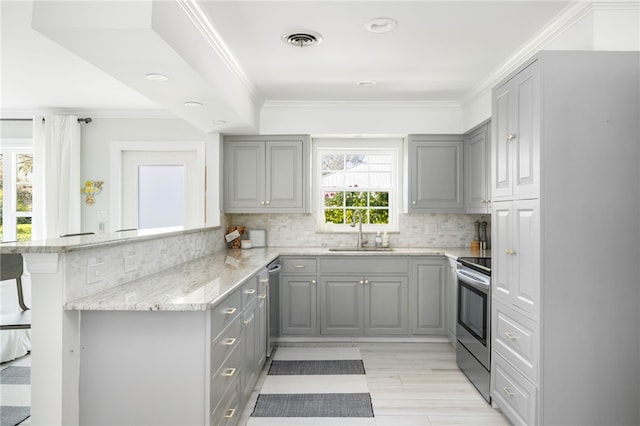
[(357, 216)]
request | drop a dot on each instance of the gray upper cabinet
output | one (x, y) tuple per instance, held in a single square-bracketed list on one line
[(436, 175), (477, 169), (515, 162), (266, 174)]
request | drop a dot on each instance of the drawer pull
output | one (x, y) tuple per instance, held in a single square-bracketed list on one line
[(247, 322), (264, 280), (250, 291), (262, 296), (510, 336), (230, 341), (229, 372), (230, 311), (299, 266), (313, 281), (229, 414), (508, 392)]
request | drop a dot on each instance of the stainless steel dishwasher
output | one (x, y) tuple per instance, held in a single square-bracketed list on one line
[(273, 305)]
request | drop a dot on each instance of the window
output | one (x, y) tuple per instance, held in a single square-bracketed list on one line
[(16, 190), (356, 175)]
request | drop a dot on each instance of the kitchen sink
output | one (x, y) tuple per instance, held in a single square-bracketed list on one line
[(361, 249)]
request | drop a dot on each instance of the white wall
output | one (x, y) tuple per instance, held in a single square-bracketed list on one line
[(96, 140)]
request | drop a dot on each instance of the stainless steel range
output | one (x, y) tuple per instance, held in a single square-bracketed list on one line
[(473, 330)]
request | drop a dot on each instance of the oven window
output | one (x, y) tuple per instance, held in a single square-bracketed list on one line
[(472, 308)]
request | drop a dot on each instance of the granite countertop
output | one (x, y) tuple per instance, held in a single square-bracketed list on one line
[(200, 284)]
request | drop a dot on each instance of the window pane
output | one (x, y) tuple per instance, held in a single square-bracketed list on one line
[(379, 216), (24, 197), (24, 229), (379, 199), (359, 161), (334, 199), (332, 162), (24, 168), (334, 216), (356, 199)]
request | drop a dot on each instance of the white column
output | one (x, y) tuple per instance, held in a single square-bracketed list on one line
[(54, 344)]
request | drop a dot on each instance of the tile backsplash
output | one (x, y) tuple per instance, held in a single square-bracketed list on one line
[(299, 230)]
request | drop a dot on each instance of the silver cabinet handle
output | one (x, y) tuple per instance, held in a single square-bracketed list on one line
[(510, 336), (250, 291), (262, 203), (230, 311), (511, 136), (229, 414), (267, 202), (413, 202), (262, 296), (366, 281), (508, 392), (247, 322), (264, 280), (230, 341), (229, 372), (299, 266), (510, 251), (361, 281), (313, 281)]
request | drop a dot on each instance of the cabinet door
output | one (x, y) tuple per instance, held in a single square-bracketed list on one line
[(427, 297), (341, 305), (298, 315), (477, 171), (385, 305), (436, 182), (284, 175), (516, 275), (245, 163), (516, 136)]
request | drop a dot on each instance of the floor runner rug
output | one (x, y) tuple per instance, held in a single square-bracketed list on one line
[(316, 367), (314, 405), (12, 416), (15, 376)]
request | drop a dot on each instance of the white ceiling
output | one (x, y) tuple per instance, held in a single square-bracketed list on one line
[(229, 54)]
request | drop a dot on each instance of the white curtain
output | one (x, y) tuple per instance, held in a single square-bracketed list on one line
[(56, 176)]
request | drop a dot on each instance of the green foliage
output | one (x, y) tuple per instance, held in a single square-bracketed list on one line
[(341, 205)]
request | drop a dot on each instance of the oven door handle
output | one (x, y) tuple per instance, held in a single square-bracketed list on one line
[(471, 279)]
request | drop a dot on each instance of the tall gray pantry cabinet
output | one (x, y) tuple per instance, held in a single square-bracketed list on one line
[(565, 186)]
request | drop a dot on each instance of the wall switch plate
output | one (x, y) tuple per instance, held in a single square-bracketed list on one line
[(96, 272), (130, 263), (431, 229)]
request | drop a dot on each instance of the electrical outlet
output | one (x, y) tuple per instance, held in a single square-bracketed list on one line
[(96, 272), (431, 229), (130, 263)]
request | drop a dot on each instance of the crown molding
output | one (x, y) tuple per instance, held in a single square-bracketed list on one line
[(93, 113), (361, 104), (571, 15), (203, 24)]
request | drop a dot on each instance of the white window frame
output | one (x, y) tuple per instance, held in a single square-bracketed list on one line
[(10, 149), (369, 146)]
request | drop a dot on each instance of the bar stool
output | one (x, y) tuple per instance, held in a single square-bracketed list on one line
[(11, 268)]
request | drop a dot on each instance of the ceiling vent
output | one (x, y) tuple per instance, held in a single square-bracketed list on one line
[(302, 39)]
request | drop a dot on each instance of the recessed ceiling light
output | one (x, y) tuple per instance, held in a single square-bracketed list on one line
[(366, 83), (302, 38), (156, 77), (192, 104), (219, 122), (381, 25)]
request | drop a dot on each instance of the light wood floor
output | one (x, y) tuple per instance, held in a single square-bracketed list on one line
[(415, 384)]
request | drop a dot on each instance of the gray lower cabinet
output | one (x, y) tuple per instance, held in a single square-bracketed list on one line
[(341, 305), (298, 296), (427, 295), (452, 299)]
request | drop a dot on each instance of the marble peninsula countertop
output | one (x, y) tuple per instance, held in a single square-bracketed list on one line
[(202, 283)]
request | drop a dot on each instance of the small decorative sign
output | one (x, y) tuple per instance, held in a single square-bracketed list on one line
[(91, 189)]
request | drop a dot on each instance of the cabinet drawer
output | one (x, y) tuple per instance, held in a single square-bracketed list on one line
[(514, 394), (298, 265), (225, 344), (368, 266), (515, 337), (228, 410), (223, 377), (249, 291), (225, 313)]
